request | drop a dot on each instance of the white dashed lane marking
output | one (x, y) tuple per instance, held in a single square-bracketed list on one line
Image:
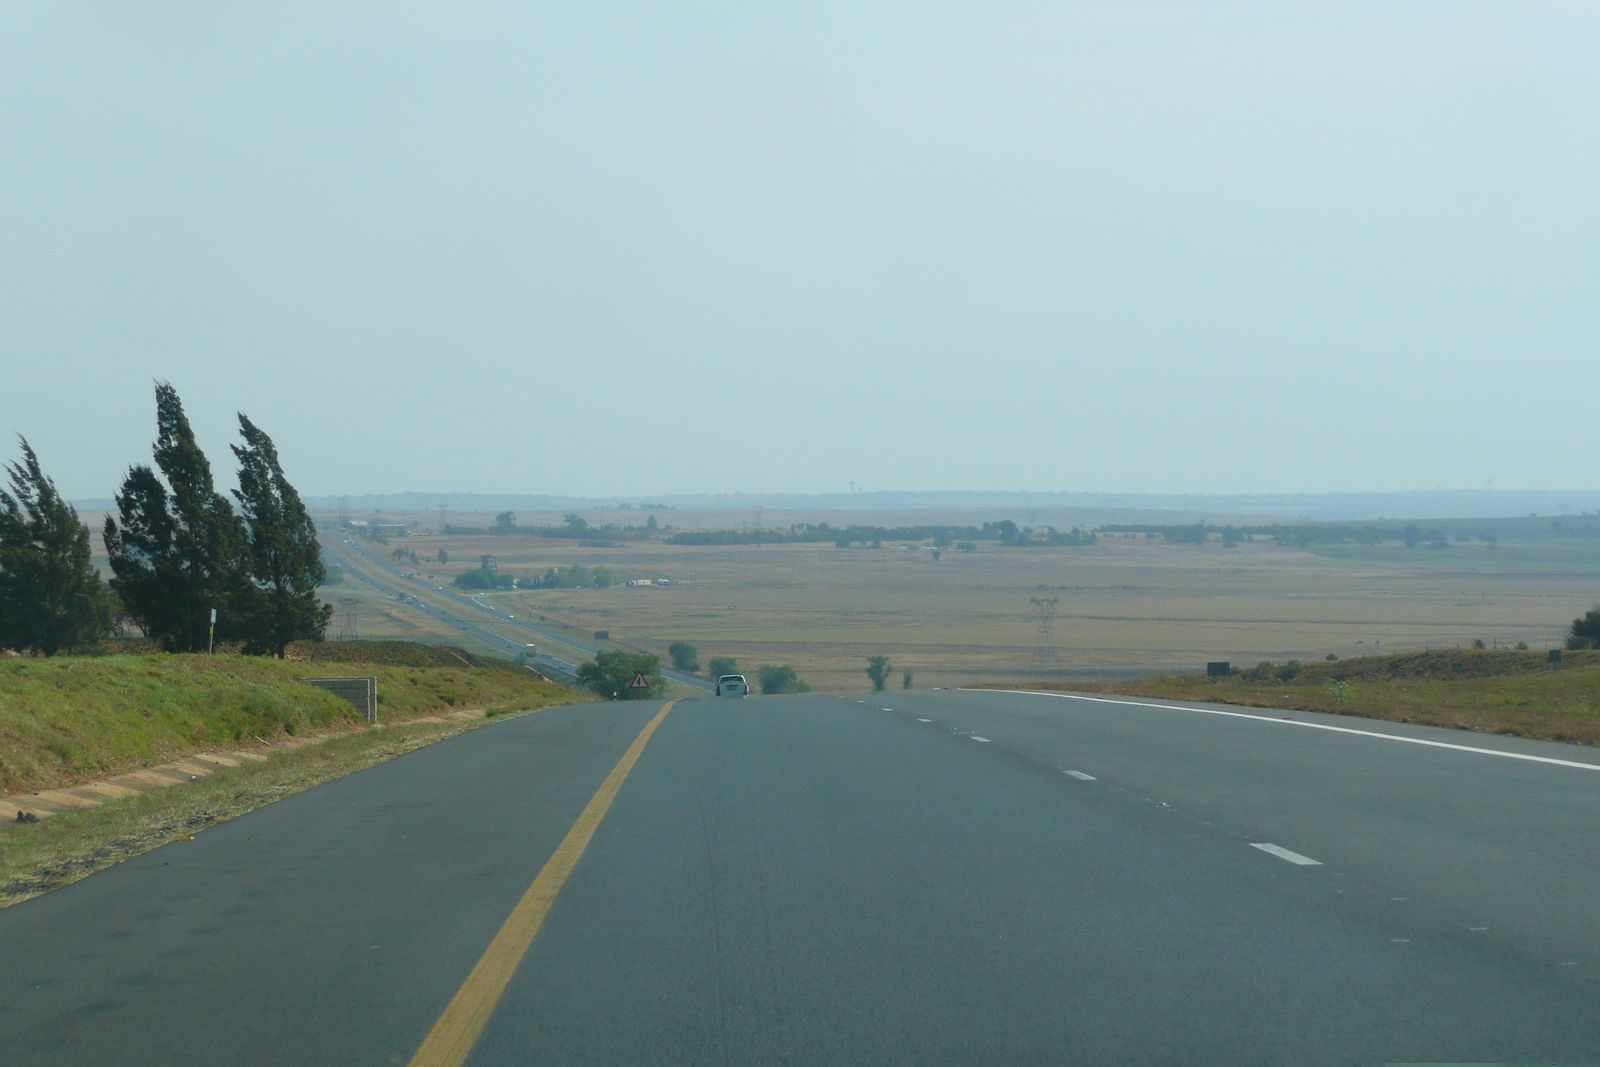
[(1080, 776), (924, 720), (1285, 854), (975, 737)]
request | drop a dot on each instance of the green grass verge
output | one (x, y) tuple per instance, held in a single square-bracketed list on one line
[(36, 858), (1520, 694), (68, 719)]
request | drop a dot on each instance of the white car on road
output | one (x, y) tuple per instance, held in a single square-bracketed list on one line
[(732, 685)]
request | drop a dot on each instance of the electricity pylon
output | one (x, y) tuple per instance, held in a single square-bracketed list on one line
[(1044, 642)]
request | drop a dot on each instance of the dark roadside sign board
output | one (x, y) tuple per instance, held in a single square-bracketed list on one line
[(639, 681)]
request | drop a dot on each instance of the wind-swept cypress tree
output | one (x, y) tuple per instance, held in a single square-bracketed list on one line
[(51, 596), (286, 561), (177, 554)]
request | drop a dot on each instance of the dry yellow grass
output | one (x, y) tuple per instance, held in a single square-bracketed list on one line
[(1128, 606), (1514, 693)]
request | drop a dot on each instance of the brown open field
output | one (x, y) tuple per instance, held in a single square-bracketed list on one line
[(1128, 606), (1521, 694)]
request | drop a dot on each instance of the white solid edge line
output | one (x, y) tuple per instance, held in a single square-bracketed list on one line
[(1308, 725), (1285, 854), (1080, 776)]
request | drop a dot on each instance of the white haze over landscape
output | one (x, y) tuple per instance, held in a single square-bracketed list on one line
[(606, 249)]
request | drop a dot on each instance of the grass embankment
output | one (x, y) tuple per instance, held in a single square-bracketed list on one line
[(68, 719), (1520, 694), (36, 858)]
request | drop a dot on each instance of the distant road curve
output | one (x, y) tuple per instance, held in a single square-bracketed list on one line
[(343, 549)]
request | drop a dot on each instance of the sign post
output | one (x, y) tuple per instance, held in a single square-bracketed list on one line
[(639, 681), (211, 634)]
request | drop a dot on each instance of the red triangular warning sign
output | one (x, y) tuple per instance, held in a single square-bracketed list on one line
[(638, 681)]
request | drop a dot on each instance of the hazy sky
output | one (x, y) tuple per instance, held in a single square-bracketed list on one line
[(605, 248)]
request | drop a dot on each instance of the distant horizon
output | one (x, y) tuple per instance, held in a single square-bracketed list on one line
[(1314, 507)]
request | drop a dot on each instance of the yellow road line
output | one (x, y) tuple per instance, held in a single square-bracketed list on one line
[(457, 1030)]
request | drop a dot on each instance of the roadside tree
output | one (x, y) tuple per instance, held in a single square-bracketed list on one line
[(779, 680), (717, 666), (611, 672), (685, 657), (1585, 630), (878, 670), (178, 549), (51, 597), (285, 560)]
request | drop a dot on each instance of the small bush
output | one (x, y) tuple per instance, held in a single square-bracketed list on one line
[(878, 670), (782, 679), (717, 666), (685, 657)]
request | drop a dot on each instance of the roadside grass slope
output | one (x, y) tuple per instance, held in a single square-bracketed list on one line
[(66, 720), (1521, 694)]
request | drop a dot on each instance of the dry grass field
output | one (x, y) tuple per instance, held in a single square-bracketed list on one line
[(1127, 605), (1521, 694)]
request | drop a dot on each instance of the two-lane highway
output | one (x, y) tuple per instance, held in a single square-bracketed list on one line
[(902, 878)]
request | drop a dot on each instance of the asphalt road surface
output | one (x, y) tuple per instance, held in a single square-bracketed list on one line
[(893, 878)]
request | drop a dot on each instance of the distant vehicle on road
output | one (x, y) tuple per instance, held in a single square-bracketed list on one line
[(732, 685)]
